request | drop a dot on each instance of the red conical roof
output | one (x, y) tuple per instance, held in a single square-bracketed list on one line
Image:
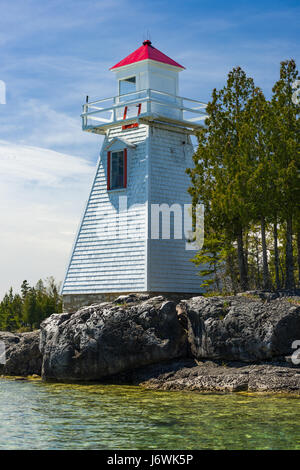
[(146, 51)]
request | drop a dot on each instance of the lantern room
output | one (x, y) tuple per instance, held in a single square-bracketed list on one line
[(147, 89), (146, 68)]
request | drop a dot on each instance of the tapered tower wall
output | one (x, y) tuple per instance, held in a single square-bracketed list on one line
[(107, 255)]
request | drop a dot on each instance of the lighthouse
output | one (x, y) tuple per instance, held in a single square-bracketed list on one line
[(133, 236)]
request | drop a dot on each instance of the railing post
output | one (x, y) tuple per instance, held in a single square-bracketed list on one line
[(181, 107), (84, 117), (114, 110)]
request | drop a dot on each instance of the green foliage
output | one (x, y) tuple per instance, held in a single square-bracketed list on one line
[(246, 173), (26, 311), (208, 260)]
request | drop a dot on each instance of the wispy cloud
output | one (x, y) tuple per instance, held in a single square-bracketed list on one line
[(38, 124), (42, 195)]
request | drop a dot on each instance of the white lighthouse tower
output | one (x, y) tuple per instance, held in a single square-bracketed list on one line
[(131, 237)]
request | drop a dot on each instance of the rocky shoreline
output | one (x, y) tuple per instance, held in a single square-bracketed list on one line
[(215, 344), (213, 377)]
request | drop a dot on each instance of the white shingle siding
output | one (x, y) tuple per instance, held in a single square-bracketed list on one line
[(102, 263), (170, 268)]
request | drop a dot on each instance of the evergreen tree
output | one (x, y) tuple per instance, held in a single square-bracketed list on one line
[(286, 145), (24, 289), (220, 177), (257, 156), (10, 319), (28, 310), (246, 174)]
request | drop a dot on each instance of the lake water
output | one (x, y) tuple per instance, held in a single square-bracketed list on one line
[(37, 415)]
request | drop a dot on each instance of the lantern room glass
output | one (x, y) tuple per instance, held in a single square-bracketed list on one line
[(127, 85)]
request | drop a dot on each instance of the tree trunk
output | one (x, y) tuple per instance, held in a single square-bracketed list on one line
[(217, 280), (282, 273), (289, 260), (241, 261), (257, 263), (266, 277), (298, 255), (231, 270), (276, 256), (246, 254)]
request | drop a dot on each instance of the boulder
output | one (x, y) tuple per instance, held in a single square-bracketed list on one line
[(22, 353), (241, 328), (109, 338)]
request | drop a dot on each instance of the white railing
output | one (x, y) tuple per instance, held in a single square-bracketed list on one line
[(142, 104)]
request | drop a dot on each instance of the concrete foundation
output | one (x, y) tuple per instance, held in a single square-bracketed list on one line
[(73, 302)]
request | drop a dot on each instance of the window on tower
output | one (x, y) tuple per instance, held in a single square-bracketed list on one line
[(127, 85), (117, 169)]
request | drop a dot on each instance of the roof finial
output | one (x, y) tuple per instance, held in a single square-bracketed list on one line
[(147, 38)]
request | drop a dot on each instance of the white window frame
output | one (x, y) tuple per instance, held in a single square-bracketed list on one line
[(126, 78)]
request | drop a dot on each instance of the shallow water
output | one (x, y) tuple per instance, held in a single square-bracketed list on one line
[(37, 415)]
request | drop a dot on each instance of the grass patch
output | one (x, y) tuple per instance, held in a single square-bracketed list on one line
[(293, 301), (122, 304), (218, 294)]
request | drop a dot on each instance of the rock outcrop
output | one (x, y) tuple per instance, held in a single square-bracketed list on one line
[(240, 328), (196, 344), (106, 339), (210, 376), (22, 353)]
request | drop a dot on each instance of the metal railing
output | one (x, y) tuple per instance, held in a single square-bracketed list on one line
[(141, 104)]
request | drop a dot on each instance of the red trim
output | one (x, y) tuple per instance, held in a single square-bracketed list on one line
[(135, 124), (130, 126), (125, 168), (147, 51), (108, 171)]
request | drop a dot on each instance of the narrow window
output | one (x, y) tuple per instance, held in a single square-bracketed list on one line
[(117, 169), (127, 85)]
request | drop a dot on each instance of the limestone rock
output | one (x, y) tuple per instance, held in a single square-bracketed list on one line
[(22, 353), (241, 328), (103, 340), (234, 377)]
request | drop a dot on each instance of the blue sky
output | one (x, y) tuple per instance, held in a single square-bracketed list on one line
[(55, 52)]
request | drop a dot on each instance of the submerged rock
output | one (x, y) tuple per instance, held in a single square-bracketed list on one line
[(107, 339), (23, 356), (240, 328)]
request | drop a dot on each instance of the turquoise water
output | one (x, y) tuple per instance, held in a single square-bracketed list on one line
[(36, 415)]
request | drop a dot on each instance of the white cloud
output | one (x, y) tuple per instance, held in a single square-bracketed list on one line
[(38, 124), (42, 195)]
